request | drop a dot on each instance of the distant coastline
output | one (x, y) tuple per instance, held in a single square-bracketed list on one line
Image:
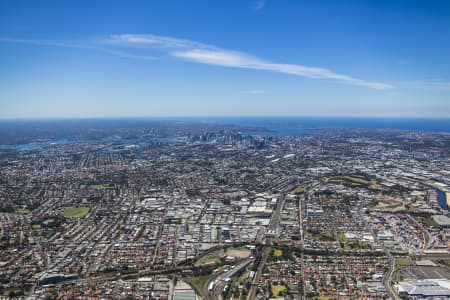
[(33, 133), (305, 122), (439, 125)]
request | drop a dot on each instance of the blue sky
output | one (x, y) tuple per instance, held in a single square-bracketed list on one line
[(227, 58)]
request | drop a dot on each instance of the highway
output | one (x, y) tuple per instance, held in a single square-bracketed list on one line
[(388, 275), (223, 279), (428, 239)]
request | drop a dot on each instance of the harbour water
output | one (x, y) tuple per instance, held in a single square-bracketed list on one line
[(442, 200), (34, 145)]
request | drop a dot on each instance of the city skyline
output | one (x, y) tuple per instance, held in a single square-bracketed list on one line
[(251, 58)]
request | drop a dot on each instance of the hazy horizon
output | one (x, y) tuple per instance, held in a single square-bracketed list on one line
[(168, 117)]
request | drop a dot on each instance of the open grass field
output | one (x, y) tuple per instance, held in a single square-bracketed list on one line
[(238, 252), (324, 236), (199, 283), (351, 244), (428, 221), (277, 252), (276, 289), (354, 180), (324, 298), (22, 211), (389, 204), (76, 212), (209, 260), (105, 186), (36, 227), (298, 190), (404, 262)]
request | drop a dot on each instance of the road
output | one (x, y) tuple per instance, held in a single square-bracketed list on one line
[(388, 275), (275, 220), (222, 280), (33, 288), (264, 254), (273, 226), (140, 273), (158, 245), (428, 238), (302, 261)]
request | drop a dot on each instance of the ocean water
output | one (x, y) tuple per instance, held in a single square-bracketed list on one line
[(302, 125)]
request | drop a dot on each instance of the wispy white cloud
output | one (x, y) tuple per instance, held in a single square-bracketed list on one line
[(55, 43), (212, 55), (436, 84), (150, 40), (260, 4), (79, 45), (122, 45)]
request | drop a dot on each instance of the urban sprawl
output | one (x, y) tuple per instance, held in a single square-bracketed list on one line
[(219, 213)]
